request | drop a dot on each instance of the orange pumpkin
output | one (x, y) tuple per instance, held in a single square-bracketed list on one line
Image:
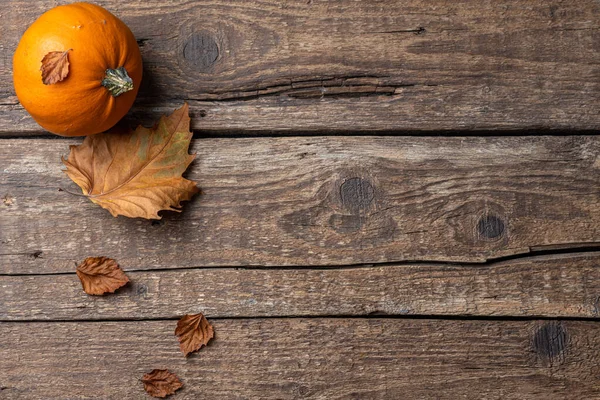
[(104, 75)]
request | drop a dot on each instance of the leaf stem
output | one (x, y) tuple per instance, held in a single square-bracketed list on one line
[(117, 81)]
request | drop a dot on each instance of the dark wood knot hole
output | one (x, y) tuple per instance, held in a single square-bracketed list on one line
[(550, 341), (141, 290), (356, 194), (490, 227), (201, 51)]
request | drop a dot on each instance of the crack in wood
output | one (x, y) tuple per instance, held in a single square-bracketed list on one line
[(556, 340), (418, 31), (345, 86), (34, 254), (488, 263), (591, 28)]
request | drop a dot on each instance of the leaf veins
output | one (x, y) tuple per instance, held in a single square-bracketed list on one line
[(194, 331), (55, 67), (136, 174), (100, 275), (161, 383)]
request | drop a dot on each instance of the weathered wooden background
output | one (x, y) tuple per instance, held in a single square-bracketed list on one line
[(400, 200)]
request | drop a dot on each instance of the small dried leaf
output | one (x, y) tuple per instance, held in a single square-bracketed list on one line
[(136, 174), (194, 331), (55, 67), (101, 275), (161, 383)]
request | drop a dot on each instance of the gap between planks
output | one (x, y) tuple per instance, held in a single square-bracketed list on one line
[(560, 286), (199, 134), (431, 317), (590, 249)]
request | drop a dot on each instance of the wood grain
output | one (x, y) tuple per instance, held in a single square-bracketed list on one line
[(307, 358), (316, 201), (451, 220), (548, 286), (415, 65)]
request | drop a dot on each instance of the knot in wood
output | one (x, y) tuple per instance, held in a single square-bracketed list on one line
[(141, 290), (550, 342), (356, 194), (303, 391), (490, 227), (200, 51)]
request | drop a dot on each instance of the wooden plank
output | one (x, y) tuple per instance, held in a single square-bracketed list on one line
[(316, 201), (549, 286), (417, 65), (307, 358)]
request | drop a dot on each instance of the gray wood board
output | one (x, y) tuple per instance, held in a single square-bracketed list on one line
[(416, 65), (548, 286), (316, 201), (307, 358)]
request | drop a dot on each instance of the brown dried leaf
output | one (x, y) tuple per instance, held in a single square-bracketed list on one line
[(99, 275), (136, 174), (55, 67), (194, 331), (161, 383)]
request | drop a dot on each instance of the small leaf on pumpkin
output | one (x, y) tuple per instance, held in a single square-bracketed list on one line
[(194, 331), (161, 383), (136, 174), (55, 67), (99, 275)]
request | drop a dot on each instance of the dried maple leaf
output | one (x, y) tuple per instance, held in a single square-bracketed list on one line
[(99, 275), (161, 383), (136, 174), (55, 67), (193, 331)]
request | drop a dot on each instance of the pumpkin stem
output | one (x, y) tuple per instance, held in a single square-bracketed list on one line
[(117, 81)]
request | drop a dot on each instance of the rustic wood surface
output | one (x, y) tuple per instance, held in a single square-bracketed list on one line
[(308, 358), (316, 201), (547, 286), (346, 261), (317, 65)]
